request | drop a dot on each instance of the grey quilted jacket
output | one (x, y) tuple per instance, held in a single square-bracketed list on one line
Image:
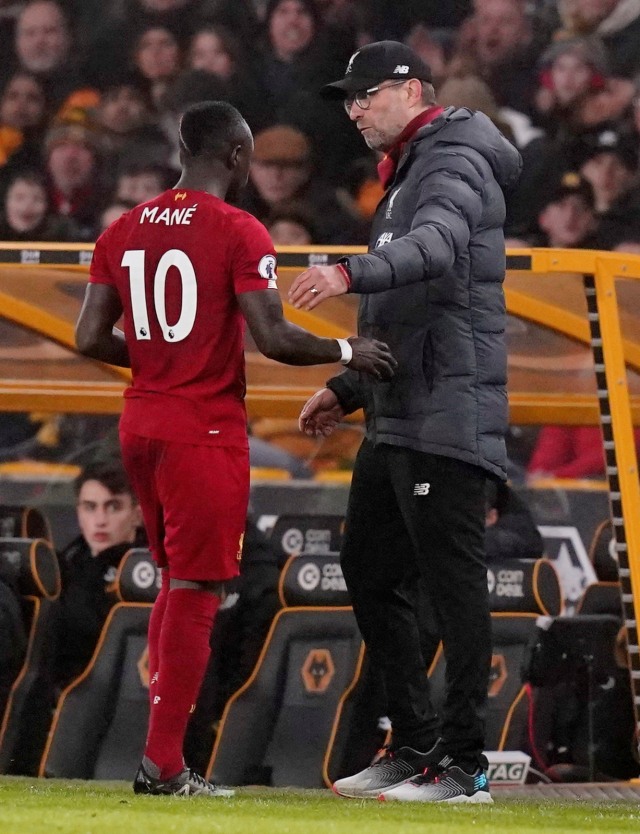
[(431, 287)]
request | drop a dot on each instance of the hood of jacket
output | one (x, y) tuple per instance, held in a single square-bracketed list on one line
[(472, 129)]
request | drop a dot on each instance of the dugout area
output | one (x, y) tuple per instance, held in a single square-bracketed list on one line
[(574, 359)]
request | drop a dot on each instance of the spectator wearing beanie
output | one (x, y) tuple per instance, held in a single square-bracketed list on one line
[(282, 170), (72, 161), (615, 22), (576, 91)]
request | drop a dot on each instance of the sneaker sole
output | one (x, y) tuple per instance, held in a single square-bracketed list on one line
[(224, 793), (186, 794), (479, 798), (354, 794)]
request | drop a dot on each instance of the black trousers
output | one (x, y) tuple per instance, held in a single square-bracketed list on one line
[(413, 514)]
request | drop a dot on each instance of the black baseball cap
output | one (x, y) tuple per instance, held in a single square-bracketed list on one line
[(376, 62), (622, 145), (571, 184)]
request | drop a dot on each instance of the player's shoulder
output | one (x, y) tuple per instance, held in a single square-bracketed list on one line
[(244, 223)]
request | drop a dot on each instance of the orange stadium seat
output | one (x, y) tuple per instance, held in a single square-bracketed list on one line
[(279, 727), (100, 721), (27, 713)]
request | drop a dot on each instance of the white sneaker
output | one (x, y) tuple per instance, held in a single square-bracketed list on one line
[(392, 768)]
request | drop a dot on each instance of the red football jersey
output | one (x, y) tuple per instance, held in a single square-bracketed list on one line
[(177, 263)]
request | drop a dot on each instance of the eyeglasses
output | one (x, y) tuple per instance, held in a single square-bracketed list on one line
[(363, 97)]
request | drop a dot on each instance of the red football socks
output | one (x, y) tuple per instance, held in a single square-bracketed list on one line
[(183, 653), (155, 626)]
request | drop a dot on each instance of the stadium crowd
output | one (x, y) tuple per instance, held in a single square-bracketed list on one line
[(91, 94)]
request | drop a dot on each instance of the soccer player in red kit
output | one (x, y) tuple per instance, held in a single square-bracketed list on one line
[(187, 270)]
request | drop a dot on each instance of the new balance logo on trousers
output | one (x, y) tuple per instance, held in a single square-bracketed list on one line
[(421, 489)]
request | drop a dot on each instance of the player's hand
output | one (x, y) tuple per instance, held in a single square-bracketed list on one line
[(320, 414), (372, 357), (316, 284)]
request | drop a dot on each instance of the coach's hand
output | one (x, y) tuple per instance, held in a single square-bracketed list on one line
[(317, 284), (371, 357), (320, 414)]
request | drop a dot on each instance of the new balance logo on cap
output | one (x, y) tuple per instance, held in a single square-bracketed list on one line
[(421, 489), (401, 69)]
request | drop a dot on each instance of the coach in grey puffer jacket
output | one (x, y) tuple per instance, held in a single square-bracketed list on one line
[(434, 295), (431, 288)]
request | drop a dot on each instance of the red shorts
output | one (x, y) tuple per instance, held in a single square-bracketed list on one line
[(194, 503)]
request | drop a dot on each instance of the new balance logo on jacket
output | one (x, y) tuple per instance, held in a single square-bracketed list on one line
[(421, 489)]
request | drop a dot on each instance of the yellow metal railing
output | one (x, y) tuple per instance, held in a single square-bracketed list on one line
[(611, 355), (614, 354)]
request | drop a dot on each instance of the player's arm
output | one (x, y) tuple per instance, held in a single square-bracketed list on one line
[(285, 342), (96, 334)]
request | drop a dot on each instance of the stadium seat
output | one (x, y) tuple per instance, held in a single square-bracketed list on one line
[(100, 721), (24, 522), (602, 554), (581, 721), (601, 598), (27, 713), (280, 726), (306, 533)]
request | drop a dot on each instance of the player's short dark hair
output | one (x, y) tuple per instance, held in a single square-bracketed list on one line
[(211, 128), (111, 474)]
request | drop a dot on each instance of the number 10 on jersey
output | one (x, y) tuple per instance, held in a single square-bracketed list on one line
[(134, 261)]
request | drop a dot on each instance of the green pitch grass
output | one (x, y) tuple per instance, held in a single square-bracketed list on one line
[(33, 806)]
